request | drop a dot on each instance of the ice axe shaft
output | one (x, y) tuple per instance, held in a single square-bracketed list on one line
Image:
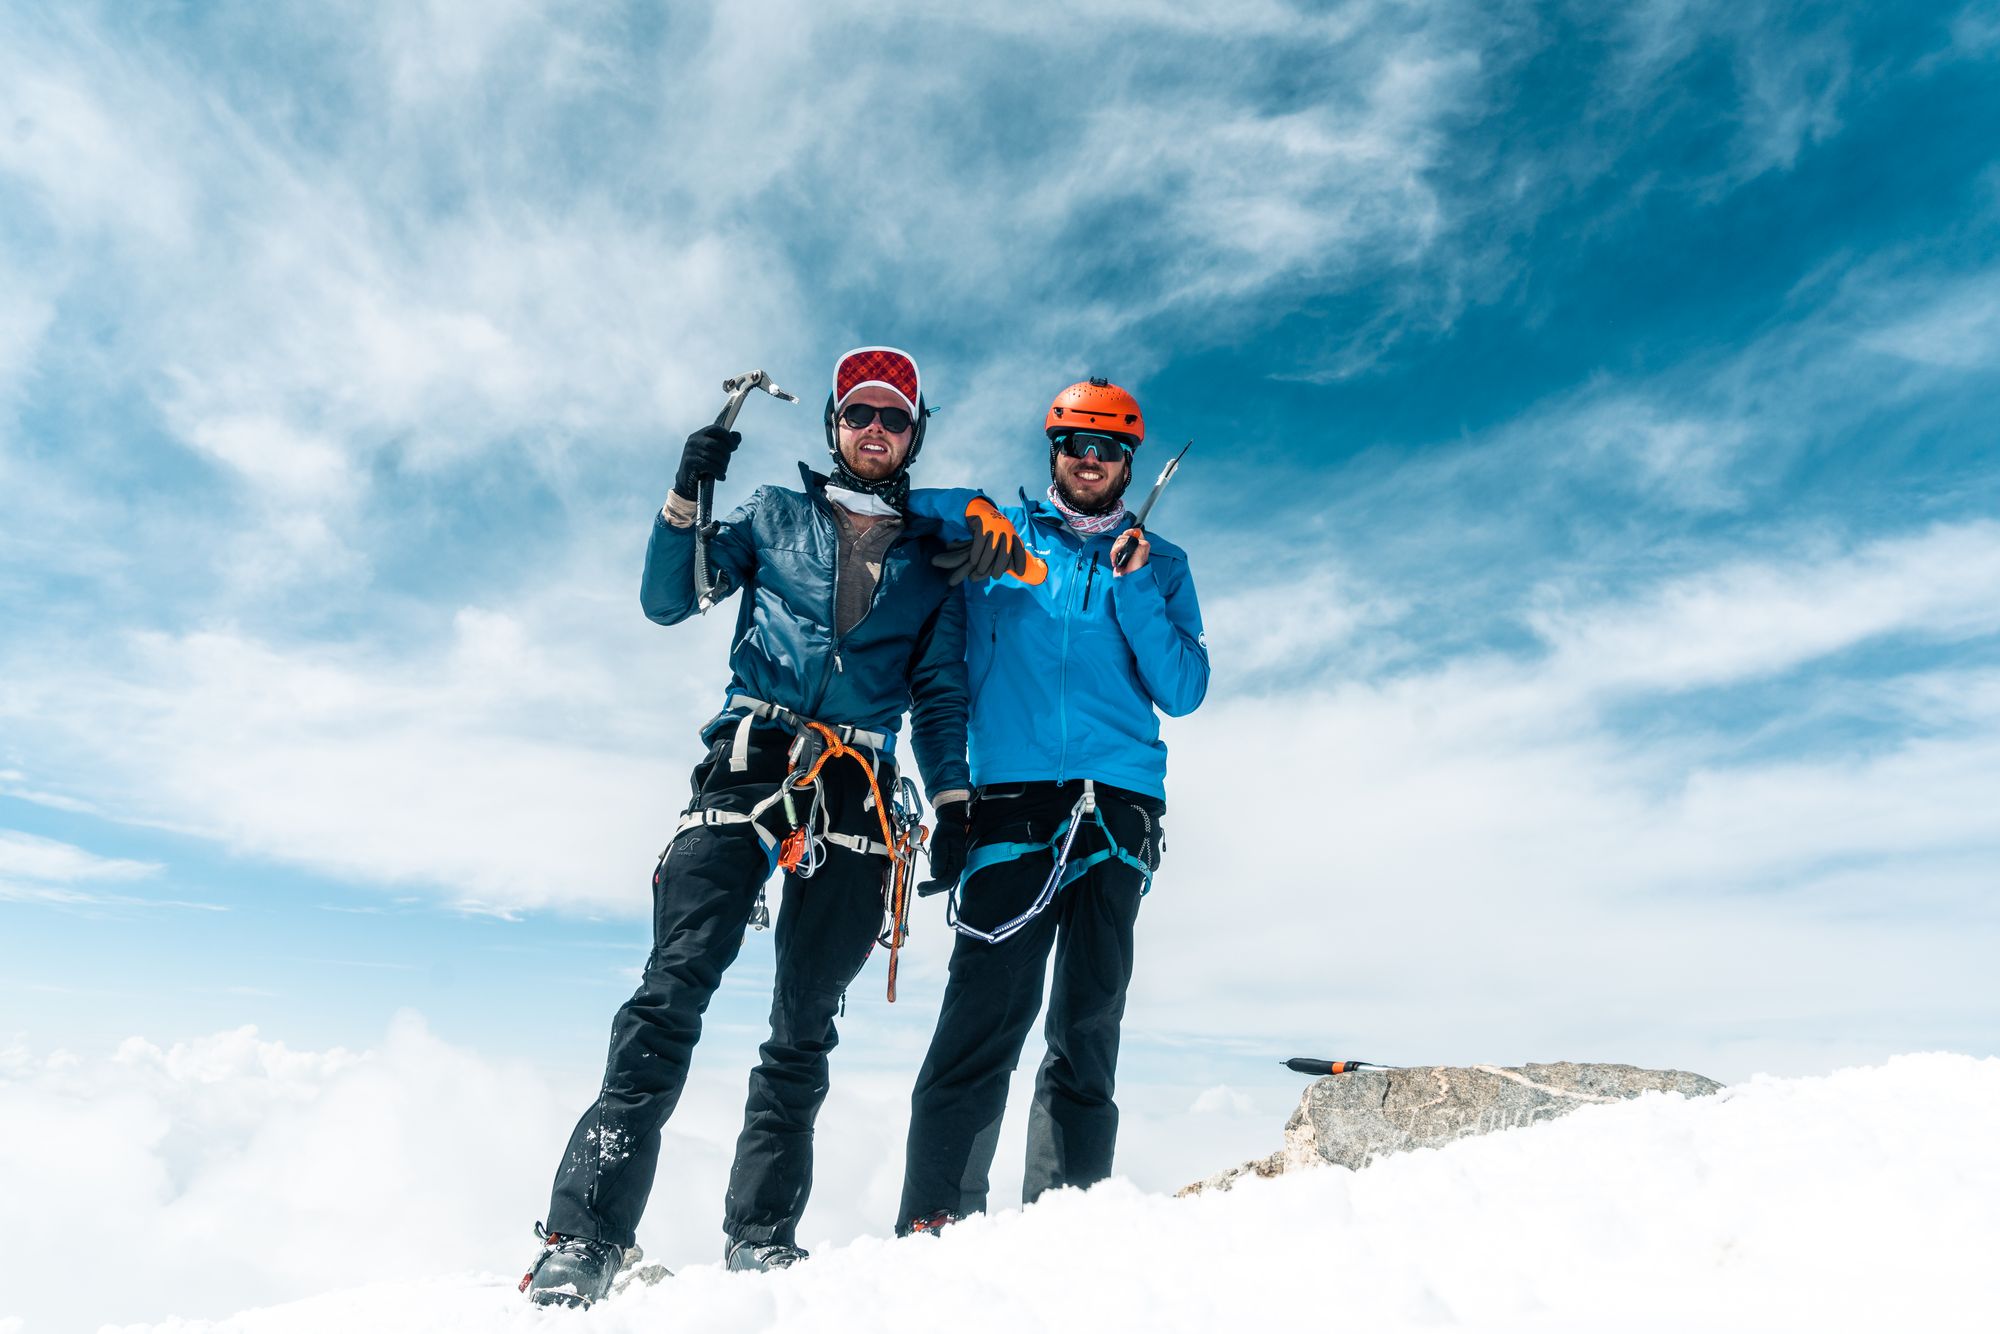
[(738, 388), (1119, 557)]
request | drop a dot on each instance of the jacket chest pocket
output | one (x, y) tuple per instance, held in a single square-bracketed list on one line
[(1089, 599), (802, 580)]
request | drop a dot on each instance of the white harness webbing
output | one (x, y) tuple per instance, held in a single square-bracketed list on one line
[(861, 843), (739, 747)]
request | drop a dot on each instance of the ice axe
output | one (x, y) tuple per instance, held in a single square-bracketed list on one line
[(738, 389), (1123, 553)]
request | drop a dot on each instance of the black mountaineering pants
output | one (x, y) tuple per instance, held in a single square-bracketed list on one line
[(995, 991), (703, 892)]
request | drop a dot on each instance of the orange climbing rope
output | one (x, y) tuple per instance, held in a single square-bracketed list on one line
[(902, 850)]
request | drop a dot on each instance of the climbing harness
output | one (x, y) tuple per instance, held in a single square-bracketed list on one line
[(756, 709), (1063, 873), (801, 793)]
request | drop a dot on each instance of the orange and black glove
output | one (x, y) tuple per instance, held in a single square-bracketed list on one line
[(994, 549)]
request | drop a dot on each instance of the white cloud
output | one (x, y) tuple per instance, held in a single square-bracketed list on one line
[(1683, 458), (1790, 78), (1262, 630), (1721, 431), (391, 1184), (55, 874), (47, 859), (299, 1166), (1975, 31), (1221, 1098), (510, 770), (293, 467), (84, 151), (314, 1170), (24, 318), (1454, 867), (1758, 618), (1443, 860), (1959, 330), (1793, 85)]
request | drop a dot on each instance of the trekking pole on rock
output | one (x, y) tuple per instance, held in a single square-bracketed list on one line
[(738, 389), (1118, 557)]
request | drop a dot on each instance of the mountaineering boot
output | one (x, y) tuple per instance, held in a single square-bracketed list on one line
[(758, 1257), (573, 1271), (930, 1224)]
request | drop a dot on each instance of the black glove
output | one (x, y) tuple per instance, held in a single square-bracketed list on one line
[(987, 554), (948, 846), (706, 454)]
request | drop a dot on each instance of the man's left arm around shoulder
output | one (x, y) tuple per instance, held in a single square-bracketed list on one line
[(1154, 601), (939, 701)]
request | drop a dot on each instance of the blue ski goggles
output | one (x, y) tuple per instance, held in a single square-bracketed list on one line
[(1083, 444)]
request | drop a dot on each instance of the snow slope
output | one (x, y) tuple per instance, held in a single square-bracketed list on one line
[(1865, 1199)]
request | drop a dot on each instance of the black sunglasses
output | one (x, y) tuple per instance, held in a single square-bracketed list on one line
[(894, 420), (1108, 448)]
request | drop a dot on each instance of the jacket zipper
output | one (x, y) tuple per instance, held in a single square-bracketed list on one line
[(823, 513), (1062, 677), (833, 606)]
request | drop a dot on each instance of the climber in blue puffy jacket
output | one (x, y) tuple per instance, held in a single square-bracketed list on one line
[(845, 623)]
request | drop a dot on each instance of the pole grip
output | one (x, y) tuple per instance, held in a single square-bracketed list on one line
[(1125, 553)]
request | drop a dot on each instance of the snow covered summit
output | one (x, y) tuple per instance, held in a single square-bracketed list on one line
[(1865, 1199)]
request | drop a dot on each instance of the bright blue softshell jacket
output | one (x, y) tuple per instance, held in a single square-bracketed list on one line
[(1066, 675), (907, 653)]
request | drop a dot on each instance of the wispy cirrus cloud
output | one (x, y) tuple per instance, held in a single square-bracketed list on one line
[(1755, 619), (51, 873), (47, 859)]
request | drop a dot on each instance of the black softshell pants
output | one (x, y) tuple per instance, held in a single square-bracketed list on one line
[(703, 892), (995, 991)]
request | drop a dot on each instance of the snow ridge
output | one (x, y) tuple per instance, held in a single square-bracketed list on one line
[(1866, 1198)]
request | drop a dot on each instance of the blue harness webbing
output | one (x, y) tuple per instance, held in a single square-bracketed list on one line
[(1061, 875)]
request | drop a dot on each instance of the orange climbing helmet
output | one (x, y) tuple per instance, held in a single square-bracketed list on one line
[(1097, 404)]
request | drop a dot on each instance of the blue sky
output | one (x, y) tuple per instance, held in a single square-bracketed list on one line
[(1593, 501)]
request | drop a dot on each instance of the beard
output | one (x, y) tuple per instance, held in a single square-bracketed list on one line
[(1105, 504), (872, 467)]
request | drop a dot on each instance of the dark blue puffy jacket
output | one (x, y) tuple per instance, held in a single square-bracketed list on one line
[(906, 654), (1067, 675)]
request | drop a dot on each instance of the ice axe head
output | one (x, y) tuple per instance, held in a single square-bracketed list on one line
[(738, 388)]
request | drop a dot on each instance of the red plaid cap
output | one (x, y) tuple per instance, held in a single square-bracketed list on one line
[(892, 368)]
